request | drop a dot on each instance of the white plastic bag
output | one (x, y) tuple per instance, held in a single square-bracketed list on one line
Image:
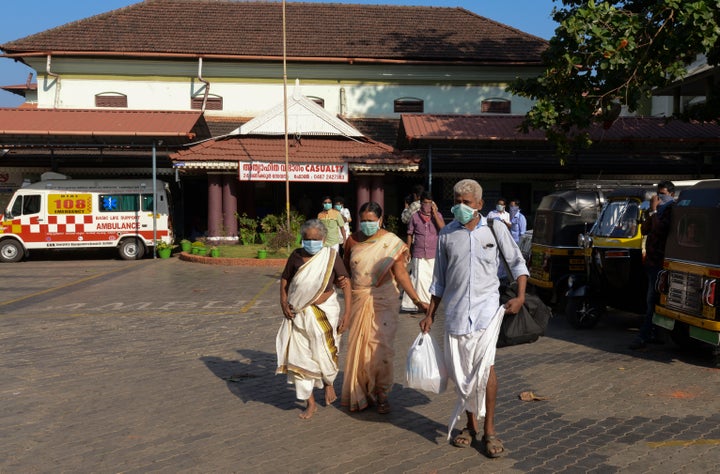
[(425, 369)]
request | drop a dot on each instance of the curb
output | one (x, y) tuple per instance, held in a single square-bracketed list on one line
[(233, 262)]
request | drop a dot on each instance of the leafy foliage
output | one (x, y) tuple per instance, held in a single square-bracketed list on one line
[(608, 54)]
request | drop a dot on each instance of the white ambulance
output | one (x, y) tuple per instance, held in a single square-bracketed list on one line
[(67, 213)]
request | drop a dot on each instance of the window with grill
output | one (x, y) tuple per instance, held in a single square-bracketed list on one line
[(111, 99), (409, 105), (214, 102), (495, 106)]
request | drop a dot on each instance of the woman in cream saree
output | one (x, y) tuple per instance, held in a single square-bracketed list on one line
[(377, 262)]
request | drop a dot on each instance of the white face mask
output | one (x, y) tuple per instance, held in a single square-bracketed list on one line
[(499, 208)]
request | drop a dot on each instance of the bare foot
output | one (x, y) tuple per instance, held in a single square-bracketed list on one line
[(308, 412), (330, 395)]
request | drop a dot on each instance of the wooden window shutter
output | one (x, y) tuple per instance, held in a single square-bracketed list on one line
[(111, 99), (495, 106), (408, 105), (213, 103)]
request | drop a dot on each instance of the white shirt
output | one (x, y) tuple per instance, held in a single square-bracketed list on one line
[(465, 274), (345, 212), (504, 215)]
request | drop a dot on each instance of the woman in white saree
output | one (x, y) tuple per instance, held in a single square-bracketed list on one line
[(308, 339)]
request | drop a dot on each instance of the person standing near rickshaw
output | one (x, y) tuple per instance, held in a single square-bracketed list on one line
[(655, 225)]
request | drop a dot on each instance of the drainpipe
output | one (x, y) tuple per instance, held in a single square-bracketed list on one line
[(48, 65), (207, 84), (343, 103)]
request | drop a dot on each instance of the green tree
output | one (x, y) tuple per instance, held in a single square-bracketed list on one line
[(610, 54)]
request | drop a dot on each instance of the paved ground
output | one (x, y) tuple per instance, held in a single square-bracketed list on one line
[(168, 366)]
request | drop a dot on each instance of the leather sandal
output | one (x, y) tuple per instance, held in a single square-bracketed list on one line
[(493, 447), (465, 439)]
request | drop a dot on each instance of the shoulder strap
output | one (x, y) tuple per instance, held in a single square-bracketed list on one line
[(502, 255)]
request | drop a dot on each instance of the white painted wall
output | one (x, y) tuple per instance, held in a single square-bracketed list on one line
[(249, 90)]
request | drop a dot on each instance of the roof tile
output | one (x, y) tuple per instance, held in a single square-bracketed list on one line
[(305, 150), (321, 30), (505, 128)]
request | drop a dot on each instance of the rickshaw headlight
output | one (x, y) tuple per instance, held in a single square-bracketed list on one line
[(581, 241)]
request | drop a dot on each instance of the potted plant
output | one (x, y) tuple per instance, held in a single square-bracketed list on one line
[(164, 249), (198, 247), (247, 228), (186, 245), (270, 224), (296, 221)]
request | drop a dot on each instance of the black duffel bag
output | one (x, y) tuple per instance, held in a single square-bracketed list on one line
[(530, 323), (526, 326)]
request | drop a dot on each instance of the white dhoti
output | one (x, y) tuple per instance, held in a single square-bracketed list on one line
[(469, 358), (420, 277), (307, 346)]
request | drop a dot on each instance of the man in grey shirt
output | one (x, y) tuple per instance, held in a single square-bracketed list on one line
[(465, 277)]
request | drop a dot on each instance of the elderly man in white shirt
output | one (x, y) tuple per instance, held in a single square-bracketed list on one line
[(465, 277)]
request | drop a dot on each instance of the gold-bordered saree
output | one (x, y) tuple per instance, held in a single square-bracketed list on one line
[(307, 346), (375, 307)]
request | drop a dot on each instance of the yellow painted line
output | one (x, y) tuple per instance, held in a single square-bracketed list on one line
[(250, 303), (140, 314), (690, 442), (72, 283)]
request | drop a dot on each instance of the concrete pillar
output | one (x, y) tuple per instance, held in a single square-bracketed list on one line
[(377, 191), (214, 205), (363, 195), (229, 204)]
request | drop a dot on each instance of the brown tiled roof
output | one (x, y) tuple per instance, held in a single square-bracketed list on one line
[(505, 128), (306, 150), (327, 32), (379, 129), (223, 125), (128, 125)]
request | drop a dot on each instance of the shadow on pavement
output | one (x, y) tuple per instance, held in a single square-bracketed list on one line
[(616, 330), (252, 378)]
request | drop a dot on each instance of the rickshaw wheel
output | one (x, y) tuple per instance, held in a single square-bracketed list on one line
[(583, 313), (680, 335)]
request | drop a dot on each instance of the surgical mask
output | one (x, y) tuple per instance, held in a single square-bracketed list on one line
[(369, 228), (499, 208), (664, 198), (312, 246), (338, 207), (327, 206), (463, 213)]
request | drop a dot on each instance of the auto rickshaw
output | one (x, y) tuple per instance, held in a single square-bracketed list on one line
[(555, 254), (613, 257), (689, 283)]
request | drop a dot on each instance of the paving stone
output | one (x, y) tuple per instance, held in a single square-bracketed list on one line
[(113, 366)]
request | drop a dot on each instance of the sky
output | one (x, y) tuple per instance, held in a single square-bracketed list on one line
[(20, 19)]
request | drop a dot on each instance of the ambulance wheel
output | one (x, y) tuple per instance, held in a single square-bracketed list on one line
[(11, 251), (131, 249)]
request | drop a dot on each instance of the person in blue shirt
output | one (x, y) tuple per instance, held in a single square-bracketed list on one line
[(465, 277), (518, 222)]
